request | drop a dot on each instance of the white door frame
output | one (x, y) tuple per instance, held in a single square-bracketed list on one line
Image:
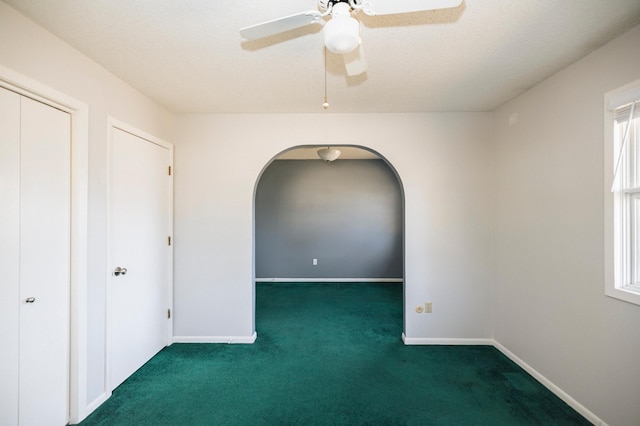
[(114, 123), (79, 112)]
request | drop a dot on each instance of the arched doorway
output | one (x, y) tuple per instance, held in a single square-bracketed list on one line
[(336, 222)]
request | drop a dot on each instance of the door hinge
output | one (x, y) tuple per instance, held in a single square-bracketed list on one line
[(169, 313), (169, 240), (169, 170)]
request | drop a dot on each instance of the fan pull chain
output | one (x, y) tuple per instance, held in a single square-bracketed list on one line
[(325, 105)]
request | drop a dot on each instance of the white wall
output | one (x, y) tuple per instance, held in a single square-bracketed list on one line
[(550, 308), (34, 53), (443, 161)]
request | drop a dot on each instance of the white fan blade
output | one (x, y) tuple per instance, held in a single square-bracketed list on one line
[(354, 61), (389, 7), (281, 25)]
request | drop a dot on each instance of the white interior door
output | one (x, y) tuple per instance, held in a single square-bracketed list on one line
[(35, 261), (140, 225)]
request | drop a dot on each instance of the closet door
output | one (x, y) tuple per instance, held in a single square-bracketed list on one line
[(9, 256), (45, 161), (35, 262)]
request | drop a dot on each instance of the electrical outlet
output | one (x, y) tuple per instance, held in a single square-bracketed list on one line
[(419, 309), (427, 307), (315, 262)]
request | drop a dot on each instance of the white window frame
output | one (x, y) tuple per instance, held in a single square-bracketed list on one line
[(622, 236)]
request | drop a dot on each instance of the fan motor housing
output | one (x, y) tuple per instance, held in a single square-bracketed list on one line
[(324, 5)]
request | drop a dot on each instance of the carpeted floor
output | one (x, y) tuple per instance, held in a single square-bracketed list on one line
[(331, 354)]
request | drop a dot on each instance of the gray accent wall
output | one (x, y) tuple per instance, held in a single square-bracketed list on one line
[(347, 214)]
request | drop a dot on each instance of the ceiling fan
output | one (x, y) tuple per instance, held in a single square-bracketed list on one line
[(342, 31)]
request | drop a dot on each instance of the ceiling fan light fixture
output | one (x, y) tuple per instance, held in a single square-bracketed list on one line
[(329, 154), (342, 32)]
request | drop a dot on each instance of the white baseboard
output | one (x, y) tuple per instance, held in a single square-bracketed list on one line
[(584, 411), (216, 339), (329, 280), (444, 341)]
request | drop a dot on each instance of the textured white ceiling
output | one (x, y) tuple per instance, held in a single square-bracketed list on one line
[(188, 55)]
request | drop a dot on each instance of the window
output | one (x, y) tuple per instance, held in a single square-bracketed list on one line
[(622, 193)]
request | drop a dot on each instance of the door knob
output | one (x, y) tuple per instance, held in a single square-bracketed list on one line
[(119, 271), (30, 299)]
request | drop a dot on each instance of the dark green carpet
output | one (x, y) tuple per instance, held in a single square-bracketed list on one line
[(331, 354)]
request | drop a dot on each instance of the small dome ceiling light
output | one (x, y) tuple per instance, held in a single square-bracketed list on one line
[(329, 154)]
